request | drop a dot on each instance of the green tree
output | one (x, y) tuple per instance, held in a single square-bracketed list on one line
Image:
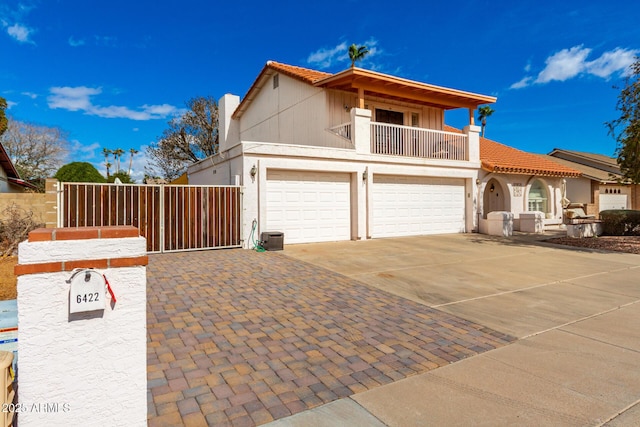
[(484, 112), (3, 118), (626, 128), (357, 53), (79, 172), (189, 138)]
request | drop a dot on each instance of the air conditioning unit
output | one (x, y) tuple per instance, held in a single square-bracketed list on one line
[(272, 240)]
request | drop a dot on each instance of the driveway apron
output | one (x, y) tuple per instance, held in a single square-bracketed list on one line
[(242, 338)]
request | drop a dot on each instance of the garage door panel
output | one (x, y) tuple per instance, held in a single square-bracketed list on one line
[(308, 206), (404, 206)]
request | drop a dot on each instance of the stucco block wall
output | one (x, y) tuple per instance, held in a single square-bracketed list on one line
[(34, 202), (88, 368)]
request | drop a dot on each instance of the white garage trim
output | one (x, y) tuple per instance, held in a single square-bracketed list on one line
[(613, 201), (413, 206), (309, 206)]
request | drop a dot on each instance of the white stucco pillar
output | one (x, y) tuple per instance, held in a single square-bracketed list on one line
[(82, 352), (228, 132), (361, 130), (473, 136)]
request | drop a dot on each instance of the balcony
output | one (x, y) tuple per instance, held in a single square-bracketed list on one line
[(407, 141), (396, 140)]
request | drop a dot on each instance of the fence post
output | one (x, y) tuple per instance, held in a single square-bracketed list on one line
[(51, 188)]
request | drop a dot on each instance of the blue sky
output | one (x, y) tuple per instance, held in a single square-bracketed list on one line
[(113, 73)]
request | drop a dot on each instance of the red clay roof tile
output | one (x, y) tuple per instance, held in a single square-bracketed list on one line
[(304, 74), (500, 158)]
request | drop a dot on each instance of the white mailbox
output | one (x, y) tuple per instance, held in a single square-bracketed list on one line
[(87, 291)]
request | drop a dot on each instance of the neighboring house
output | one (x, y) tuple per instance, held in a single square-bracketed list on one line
[(10, 181), (360, 154), (601, 186)]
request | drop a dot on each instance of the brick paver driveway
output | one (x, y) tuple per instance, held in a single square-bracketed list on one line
[(242, 338)]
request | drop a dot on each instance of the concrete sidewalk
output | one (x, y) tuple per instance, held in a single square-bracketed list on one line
[(576, 313)]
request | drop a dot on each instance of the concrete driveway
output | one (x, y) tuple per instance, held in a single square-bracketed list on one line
[(576, 313), (518, 286)]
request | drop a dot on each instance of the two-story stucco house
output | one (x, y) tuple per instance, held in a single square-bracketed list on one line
[(360, 154)]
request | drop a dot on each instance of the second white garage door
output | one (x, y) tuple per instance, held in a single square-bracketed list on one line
[(309, 206), (412, 206)]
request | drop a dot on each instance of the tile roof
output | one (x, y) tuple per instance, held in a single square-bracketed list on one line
[(500, 158), (304, 74)]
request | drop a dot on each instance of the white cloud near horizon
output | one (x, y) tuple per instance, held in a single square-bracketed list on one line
[(326, 57), (573, 62), (79, 99)]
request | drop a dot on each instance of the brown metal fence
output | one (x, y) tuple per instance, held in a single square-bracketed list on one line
[(171, 217)]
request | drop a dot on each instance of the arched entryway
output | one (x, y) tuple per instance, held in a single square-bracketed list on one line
[(493, 198)]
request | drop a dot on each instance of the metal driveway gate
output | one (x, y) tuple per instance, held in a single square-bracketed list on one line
[(171, 217)]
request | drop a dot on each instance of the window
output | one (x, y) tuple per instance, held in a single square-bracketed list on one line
[(391, 117), (537, 197), (276, 81)]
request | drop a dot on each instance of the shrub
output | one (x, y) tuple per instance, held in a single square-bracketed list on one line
[(79, 172), (620, 222)]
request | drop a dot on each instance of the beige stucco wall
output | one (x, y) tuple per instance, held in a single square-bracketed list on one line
[(34, 202), (516, 188)]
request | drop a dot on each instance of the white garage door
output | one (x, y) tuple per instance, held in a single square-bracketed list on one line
[(613, 201), (411, 206), (309, 206)]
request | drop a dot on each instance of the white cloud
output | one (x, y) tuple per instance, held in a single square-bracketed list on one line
[(79, 99), (564, 65), (85, 152), (617, 60), (570, 63), (30, 95), (72, 98), (75, 43), (20, 33), (11, 104), (526, 81), (325, 57)]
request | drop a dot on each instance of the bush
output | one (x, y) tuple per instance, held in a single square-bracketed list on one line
[(620, 222), (79, 172), (15, 228)]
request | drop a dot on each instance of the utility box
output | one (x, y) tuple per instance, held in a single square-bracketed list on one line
[(272, 240)]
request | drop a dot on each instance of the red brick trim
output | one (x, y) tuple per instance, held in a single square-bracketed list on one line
[(55, 267), (83, 233)]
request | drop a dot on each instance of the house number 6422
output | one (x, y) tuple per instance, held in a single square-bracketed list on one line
[(87, 298)]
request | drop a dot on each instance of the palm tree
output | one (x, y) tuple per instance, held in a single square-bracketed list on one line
[(484, 112), (106, 152), (357, 53), (132, 151), (117, 153)]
